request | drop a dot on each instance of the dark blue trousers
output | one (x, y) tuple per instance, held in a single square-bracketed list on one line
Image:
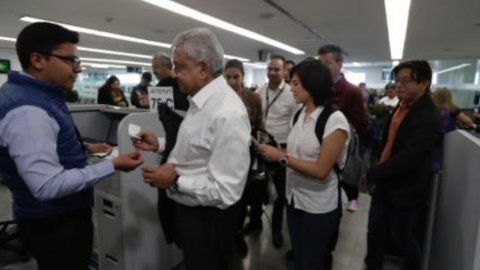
[(385, 220), (311, 236)]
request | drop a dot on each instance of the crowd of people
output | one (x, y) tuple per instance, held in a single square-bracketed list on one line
[(293, 133)]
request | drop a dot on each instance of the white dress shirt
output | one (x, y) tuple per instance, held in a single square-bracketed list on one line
[(392, 102), (309, 194), (211, 154), (280, 113)]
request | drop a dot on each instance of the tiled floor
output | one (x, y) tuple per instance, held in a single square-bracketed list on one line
[(349, 254)]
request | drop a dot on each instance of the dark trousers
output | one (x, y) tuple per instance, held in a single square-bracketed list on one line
[(206, 235), (254, 195), (385, 219), (311, 236), (350, 190), (59, 242), (279, 204)]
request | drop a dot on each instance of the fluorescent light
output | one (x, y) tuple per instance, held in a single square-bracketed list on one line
[(114, 52), (202, 17), (453, 68), (99, 33), (96, 65), (143, 56), (235, 57), (395, 63), (114, 61), (258, 65), (397, 20), (114, 36), (7, 39), (356, 64)]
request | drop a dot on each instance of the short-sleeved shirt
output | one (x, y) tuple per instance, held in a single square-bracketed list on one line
[(309, 194)]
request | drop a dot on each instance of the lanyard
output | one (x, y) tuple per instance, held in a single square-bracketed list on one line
[(269, 104)]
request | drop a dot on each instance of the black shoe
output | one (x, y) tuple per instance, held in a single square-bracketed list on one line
[(277, 239), (253, 228), (241, 245), (289, 256)]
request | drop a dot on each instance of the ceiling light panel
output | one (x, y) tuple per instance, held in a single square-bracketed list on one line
[(205, 18), (397, 21)]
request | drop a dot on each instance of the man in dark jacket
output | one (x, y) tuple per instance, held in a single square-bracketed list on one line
[(139, 94), (400, 182), (162, 68)]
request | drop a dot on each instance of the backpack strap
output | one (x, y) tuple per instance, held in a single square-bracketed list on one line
[(328, 110), (297, 115)]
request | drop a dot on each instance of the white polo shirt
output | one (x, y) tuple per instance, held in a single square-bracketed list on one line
[(309, 194), (280, 112)]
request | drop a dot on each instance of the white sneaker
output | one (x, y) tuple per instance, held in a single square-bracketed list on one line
[(353, 206)]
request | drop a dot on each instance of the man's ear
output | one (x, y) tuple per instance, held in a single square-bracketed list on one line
[(36, 61), (204, 69)]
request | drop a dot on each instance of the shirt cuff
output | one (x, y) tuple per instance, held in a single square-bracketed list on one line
[(101, 170), (161, 145)]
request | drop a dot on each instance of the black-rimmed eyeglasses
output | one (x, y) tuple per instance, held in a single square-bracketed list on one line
[(74, 61)]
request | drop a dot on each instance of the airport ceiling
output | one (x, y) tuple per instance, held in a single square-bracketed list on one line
[(438, 29)]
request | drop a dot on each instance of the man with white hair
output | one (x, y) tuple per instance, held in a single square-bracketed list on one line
[(163, 69), (207, 170)]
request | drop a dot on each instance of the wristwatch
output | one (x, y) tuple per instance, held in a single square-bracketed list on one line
[(284, 160), (174, 185)]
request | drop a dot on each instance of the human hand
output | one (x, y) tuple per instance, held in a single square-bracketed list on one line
[(98, 148), (128, 161), (144, 101), (146, 141), (159, 176), (270, 153)]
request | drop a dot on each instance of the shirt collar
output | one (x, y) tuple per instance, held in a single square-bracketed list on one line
[(281, 86), (204, 94), (23, 73), (314, 115)]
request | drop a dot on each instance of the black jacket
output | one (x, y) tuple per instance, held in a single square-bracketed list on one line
[(406, 174), (180, 99)]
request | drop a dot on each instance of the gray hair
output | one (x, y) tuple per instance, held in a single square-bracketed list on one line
[(202, 44), (163, 59)]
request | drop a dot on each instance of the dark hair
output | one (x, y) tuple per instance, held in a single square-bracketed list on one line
[(108, 83), (316, 79), (333, 49), (147, 76), (42, 37), (234, 63), (290, 62), (420, 69), (279, 57), (389, 85)]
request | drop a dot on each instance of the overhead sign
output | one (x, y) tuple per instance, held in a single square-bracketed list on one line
[(158, 95), (4, 66)]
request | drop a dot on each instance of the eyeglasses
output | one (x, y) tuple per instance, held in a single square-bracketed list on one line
[(74, 61), (403, 81)]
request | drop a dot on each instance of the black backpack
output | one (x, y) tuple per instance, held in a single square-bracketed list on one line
[(352, 169)]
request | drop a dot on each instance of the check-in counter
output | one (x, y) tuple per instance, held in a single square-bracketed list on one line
[(455, 235), (128, 233)]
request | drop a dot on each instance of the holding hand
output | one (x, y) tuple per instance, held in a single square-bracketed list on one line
[(128, 161), (270, 153), (98, 148), (159, 176), (146, 141)]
